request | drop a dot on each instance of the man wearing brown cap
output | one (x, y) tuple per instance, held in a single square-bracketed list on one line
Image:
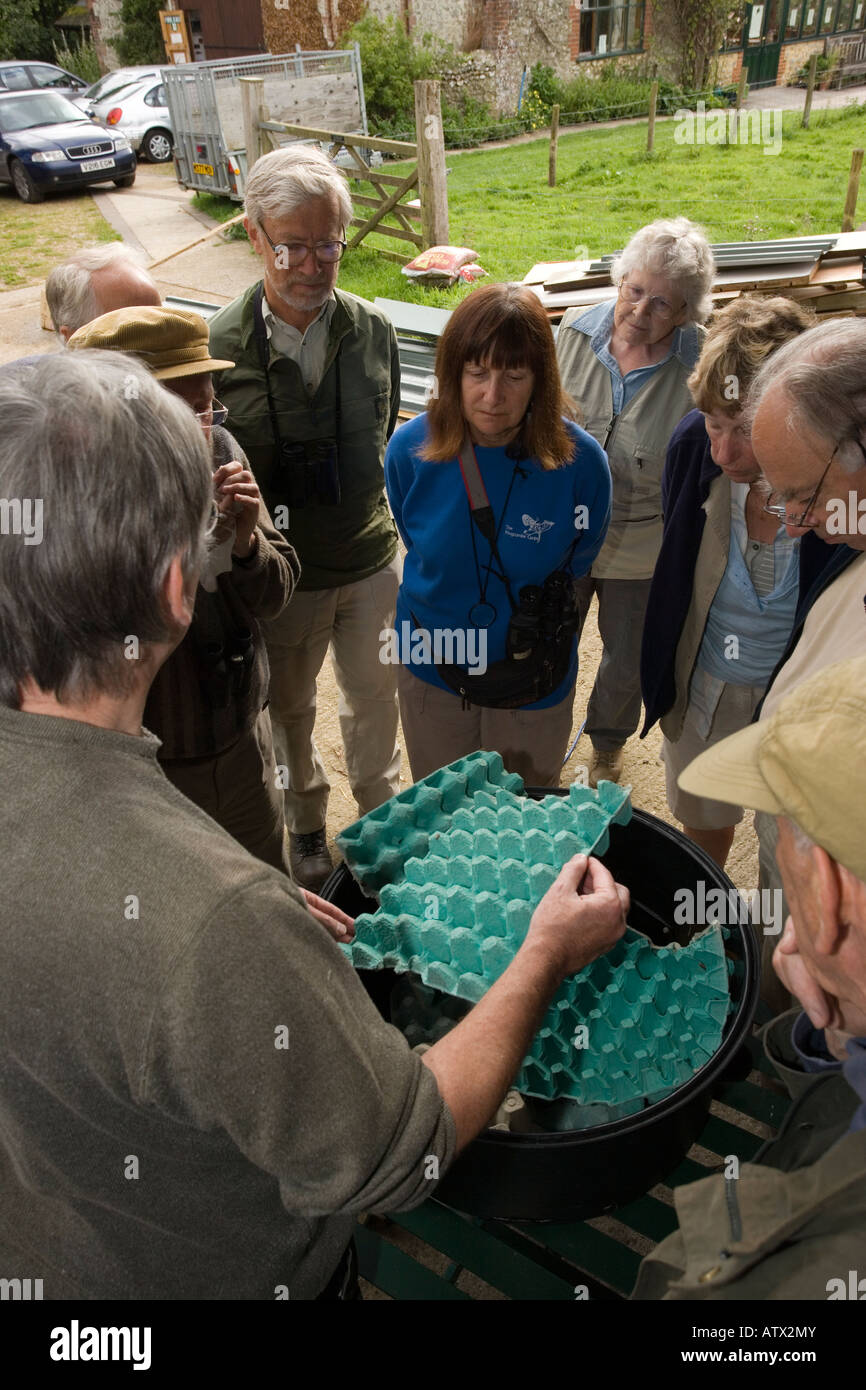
[(792, 1223), (208, 702)]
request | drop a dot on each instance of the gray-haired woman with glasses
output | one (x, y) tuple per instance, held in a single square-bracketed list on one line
[(626, 363)]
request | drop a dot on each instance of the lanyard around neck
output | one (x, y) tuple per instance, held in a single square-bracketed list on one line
[(263, 345)]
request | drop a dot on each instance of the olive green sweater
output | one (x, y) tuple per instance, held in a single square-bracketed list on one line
[(197, 1096)]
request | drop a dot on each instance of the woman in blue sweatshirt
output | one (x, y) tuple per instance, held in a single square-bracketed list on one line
[(548, 488)]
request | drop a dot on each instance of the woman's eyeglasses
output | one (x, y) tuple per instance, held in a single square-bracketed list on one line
[(658, 307)]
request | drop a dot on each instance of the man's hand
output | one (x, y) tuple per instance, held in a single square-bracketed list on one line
[(581, 916), (237, 495), (338, 923), (794, 973)]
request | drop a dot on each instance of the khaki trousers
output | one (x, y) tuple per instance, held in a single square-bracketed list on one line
[(438, 730), (238, 789), (349, 620), (613, 713)]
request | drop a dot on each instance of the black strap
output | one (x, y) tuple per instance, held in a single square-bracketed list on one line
[(482, 512), (263, 344)]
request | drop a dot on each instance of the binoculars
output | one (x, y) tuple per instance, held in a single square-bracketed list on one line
[(309, 473), (543, 612)]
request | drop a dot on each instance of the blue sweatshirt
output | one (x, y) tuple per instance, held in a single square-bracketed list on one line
[(547, 510)]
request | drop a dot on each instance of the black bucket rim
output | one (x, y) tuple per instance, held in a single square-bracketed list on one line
[(735, 1028)]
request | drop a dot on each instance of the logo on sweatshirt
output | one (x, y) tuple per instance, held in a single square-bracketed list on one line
[(533, 530)]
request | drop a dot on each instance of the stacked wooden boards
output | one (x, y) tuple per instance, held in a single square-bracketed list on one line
[(825, 272)]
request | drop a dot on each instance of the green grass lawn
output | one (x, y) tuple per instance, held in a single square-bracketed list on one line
[(608, 186), (34, 237)]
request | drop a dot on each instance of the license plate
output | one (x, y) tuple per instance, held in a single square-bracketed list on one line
[(89, 166), (203, 169)]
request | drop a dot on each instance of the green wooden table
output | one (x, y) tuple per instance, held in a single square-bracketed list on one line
[(534, 1260)]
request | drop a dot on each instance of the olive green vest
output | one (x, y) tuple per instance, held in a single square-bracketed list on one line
[(636, 443), (340, 544)]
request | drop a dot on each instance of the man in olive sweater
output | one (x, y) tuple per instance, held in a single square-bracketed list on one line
[(197, 1097), (312, 399)]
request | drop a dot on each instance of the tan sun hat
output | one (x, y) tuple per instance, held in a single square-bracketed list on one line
[(806, 762), (170, 342)]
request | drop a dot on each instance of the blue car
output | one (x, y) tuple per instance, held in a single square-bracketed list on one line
[(47, 145)]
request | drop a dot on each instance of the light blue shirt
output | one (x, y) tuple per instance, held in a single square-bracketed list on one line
[(761, 626), (597, 324)]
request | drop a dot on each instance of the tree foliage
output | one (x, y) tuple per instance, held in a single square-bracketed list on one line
[(141, 42), (687, 36), (27, 28)]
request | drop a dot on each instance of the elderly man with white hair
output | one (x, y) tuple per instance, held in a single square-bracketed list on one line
[(96, 281), (627, 365), (313, 399), (807, 410)]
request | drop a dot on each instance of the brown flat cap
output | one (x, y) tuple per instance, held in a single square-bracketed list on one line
[(170, 342)]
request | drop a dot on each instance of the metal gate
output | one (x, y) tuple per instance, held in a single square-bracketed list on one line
[(206, 106)]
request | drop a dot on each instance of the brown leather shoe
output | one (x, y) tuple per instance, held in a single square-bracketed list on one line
[(310, 859), (606, 765)]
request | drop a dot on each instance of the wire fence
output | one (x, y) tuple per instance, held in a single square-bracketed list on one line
[(593, 113)]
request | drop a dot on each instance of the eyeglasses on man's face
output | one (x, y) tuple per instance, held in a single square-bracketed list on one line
[(660, 308), (215, 414), (293, 253), (777, 507)]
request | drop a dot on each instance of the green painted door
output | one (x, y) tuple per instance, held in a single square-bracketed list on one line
[(762, 39)]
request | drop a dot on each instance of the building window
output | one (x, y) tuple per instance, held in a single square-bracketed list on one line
[(828, 16), (608, 29)]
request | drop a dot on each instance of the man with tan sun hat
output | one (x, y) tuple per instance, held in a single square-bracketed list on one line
[(208, 702), (792, 1223)]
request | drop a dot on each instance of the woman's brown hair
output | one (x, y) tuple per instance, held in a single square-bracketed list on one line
[(502, 326)]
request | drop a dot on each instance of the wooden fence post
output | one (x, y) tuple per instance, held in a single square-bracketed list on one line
[(853, 190), (651, 128), (253, 95), (554, 136), (741, 94), (810, 87), (431, 164)]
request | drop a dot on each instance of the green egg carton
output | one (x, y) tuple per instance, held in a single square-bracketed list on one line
[(479, 806), (459, 863)]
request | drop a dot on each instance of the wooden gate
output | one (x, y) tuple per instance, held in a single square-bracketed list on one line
[(390, 188), (422, 224)]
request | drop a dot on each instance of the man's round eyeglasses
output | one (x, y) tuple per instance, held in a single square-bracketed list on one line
[(658, 307), (294, 253)]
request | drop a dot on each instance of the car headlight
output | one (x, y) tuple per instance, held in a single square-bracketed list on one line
[(121, 143), (47, 156)]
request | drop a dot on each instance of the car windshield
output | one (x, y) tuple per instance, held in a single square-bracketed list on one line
[(40, 108), (115, 82)]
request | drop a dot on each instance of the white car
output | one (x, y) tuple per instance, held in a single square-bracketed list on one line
[(132, 102)]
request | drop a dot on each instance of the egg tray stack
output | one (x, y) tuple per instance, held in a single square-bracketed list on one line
[(459, 862)]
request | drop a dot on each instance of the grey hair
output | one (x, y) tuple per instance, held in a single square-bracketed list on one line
[(823, 376), (679, 250), (119, 473), (281, 182), (69, 288)]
